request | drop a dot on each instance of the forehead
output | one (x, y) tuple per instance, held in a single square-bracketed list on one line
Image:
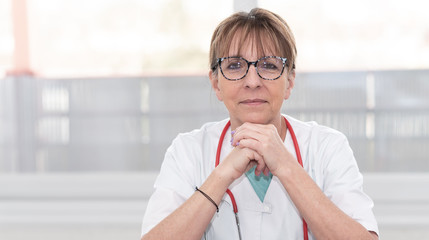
[(251, 44)]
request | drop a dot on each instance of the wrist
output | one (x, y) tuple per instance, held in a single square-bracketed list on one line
[(287, 165), (216, 184), (223, 175), (287, 170)]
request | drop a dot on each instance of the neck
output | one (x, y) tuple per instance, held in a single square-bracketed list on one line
[(278, 122)]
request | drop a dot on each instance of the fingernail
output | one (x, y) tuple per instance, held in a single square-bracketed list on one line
[(232, 132), (238, 143)]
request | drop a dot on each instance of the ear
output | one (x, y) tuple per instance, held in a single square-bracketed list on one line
[(291, 84), (215, 84)]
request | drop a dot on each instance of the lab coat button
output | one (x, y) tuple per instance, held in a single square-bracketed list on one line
[(267, 208)]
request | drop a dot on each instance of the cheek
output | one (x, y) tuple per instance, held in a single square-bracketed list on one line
[(229, 89), (226, 92), (281, 89), (286, 88)]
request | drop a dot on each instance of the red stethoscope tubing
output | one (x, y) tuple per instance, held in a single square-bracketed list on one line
[(298, 156)]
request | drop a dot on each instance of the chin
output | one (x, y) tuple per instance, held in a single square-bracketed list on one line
[(259, 118)]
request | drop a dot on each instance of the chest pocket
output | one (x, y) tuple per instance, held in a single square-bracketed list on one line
[(222, 225)]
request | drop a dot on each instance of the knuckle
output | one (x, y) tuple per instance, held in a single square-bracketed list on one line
[(265, 145), (265, 139)]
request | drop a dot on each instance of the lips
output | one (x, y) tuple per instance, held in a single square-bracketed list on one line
[(255, 101)]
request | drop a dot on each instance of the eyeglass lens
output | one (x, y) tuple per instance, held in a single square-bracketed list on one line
[(235, 68)]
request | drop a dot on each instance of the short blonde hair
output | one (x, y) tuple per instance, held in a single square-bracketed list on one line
[(258, 25)]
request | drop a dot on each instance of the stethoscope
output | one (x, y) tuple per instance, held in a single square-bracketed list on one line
[(231, 196)]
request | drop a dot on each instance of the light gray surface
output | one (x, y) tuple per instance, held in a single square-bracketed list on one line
[(126, 124), (111, 205)]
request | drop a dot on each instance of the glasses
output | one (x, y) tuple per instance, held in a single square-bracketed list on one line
[(236, 68)]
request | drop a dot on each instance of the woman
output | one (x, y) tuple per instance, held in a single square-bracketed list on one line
[(252, 58)]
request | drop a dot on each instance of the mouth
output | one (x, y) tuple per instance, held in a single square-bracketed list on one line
[(255, 101)]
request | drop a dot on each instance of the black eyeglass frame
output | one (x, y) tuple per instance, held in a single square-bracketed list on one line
[(219, 61)]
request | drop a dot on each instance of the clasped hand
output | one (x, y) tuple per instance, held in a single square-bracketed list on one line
[(260, 145)]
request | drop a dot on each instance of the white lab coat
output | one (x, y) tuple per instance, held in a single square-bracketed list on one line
[(326, 156)]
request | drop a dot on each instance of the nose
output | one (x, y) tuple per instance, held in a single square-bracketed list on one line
[(252, 79)]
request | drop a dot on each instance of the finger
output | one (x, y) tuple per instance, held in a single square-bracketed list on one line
[(254, 158), (246, 134), (266, 171), (256, 128), (251, 144), (250, 165), (260, 163), (259, 132), (253, 126)]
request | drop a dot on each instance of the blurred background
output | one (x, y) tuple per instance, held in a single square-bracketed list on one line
[(93, 92)]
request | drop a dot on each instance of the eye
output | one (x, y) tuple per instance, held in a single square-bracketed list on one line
[(269, 66), (232, 64)]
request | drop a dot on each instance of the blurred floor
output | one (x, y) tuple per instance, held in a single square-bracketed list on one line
[(132, 231), (70, 232), (111, 206), (404, 233)]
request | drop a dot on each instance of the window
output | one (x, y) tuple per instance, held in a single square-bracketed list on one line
[(117, 82)]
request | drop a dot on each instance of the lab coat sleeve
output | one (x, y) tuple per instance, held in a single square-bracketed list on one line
[(175, 183), (162, 202), (342, 181)]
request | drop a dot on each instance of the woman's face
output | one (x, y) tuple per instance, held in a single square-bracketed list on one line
[(252, 99)]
